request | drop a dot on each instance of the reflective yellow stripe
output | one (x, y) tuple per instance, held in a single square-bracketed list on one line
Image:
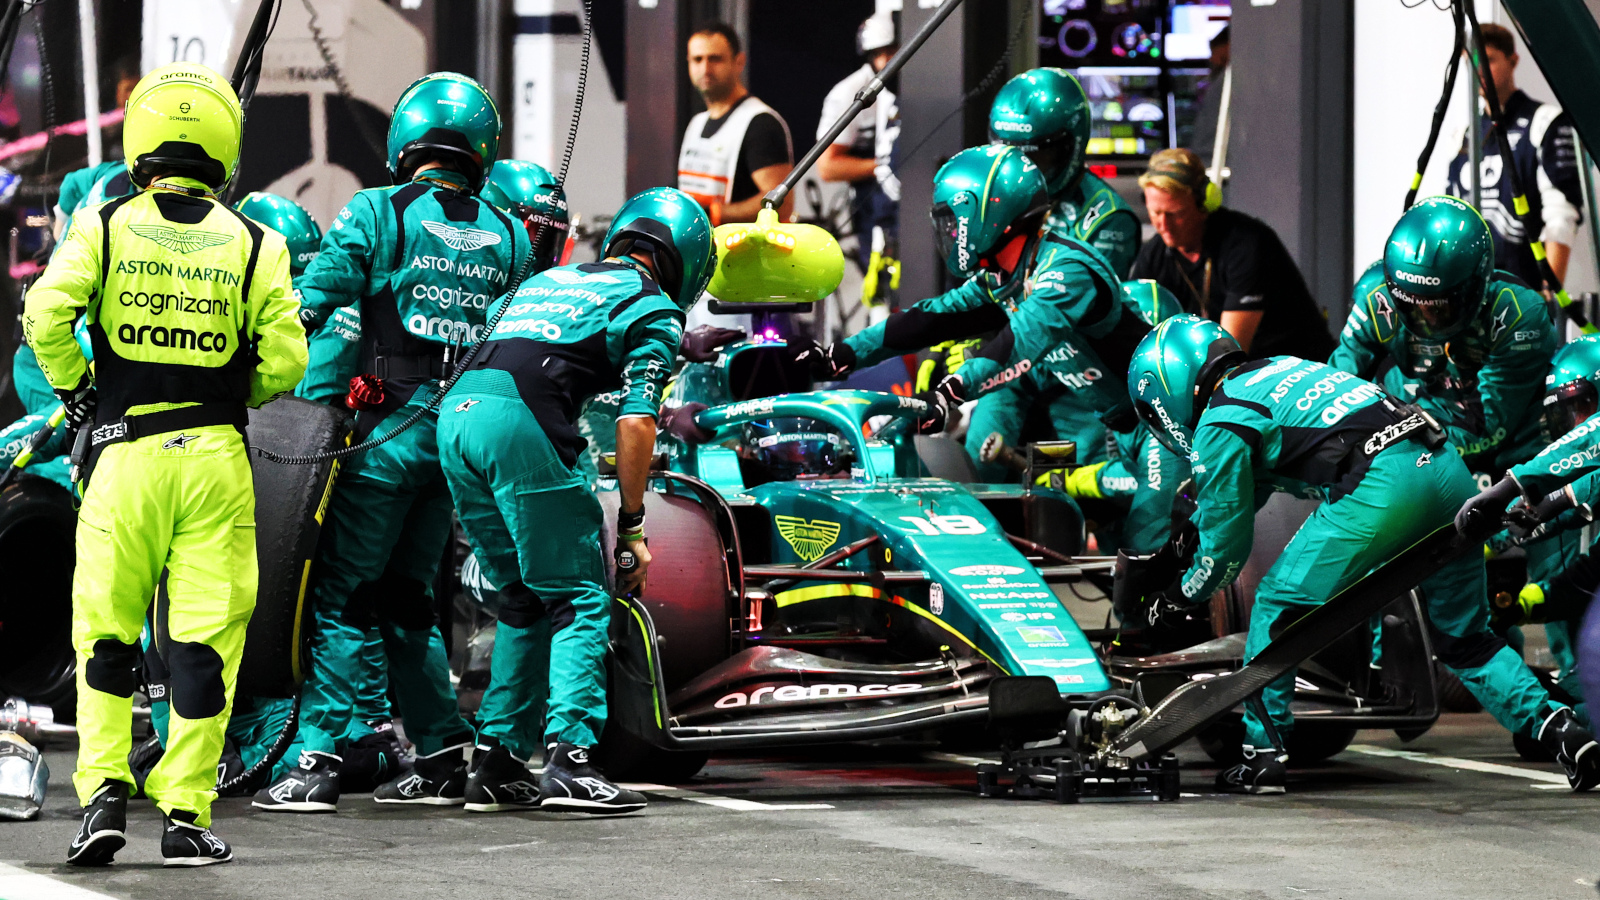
[(1520, 204), (1416, 181), (824, 591), (1538, 251)]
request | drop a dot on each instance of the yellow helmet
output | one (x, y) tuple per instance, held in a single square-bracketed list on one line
[(183, 119)]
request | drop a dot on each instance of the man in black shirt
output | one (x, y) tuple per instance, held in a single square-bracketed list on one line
[(1224, 265), (739, 148)]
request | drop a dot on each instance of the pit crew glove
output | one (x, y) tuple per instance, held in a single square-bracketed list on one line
[(1483, 514), (631, 554), (679, 422), (701, 344), (1167, 609), (1081, 483), (943, 402), (829, 363), (79, 402)]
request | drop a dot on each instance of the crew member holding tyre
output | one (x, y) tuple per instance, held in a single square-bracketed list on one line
[(1387, 481), (510, 446), (192, 318), (423, 259)]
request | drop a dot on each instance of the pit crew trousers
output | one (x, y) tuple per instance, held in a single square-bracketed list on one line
[(535, 526), (1406, 494), (385, 534), (1008, 409), (183, 502)]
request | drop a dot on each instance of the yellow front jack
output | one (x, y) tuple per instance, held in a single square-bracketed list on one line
[(768, 261)]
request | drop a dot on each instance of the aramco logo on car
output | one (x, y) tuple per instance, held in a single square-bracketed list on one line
[(789, 693)]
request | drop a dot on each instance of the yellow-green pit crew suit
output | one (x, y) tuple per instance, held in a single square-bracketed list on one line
[(192, 318)]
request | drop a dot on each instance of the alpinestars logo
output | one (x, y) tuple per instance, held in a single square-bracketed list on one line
[(465, 405), (598, 790), (284, 790), (180, 241), (463, 239), (179, 442)]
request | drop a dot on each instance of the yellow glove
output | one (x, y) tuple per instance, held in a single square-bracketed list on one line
[(869, 284), (1081, 483)]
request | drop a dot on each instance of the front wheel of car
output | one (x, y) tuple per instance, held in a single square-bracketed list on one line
[(625, 756)]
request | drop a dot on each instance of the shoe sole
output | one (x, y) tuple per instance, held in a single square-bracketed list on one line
[(99, 850), (424, 801), (592, 807), (1268, 789), (195, 861), (499, 807), (302, 806)]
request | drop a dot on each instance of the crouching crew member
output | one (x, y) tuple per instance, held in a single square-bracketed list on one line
[(1386, 480), (510, 449), (192, 318)]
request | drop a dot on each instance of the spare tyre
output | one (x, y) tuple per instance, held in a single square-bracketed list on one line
[(37, 554), (290, 503)]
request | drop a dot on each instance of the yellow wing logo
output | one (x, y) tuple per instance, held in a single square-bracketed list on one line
[(809, 539), (180, 241)]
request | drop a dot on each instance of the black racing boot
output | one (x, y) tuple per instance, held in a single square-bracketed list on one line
[(570, 784), (498, 781), (1573, 747), (184, 843), (311, 786), (104, 828), (368, 762), (1262, 772), (439, 779)]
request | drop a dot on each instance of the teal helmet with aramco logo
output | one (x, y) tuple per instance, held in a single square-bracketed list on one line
[(674, 230), (1155, 303), (289, 219), (1173, 373), (1045, 113), (989, 204), (444, 115), (534, 195), (1437, 266)]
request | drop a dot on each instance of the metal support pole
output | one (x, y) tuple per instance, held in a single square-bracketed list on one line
[(1474, 139), (91, 80)]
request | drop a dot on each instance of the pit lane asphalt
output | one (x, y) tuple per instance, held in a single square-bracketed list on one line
[(898, 823)]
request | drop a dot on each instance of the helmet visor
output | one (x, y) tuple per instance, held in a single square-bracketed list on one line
[(946, 232), (1435, 316), (547, 233), (1567, 406)]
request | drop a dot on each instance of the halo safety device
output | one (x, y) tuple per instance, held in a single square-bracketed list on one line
[(1437, 265), (1174, 371), (444, 114), (675, 232), (1044, 113), (182, 119)]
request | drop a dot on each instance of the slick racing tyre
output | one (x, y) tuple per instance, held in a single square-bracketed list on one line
[(37, 552), (1308, 743)]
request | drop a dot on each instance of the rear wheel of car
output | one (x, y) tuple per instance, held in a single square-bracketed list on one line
[(37, 554)]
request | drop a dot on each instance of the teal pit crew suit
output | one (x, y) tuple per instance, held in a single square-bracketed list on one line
[(1289, 424), (510, 449)]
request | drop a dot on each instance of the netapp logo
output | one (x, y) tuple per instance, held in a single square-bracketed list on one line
[(176, 338), (789, 693), (1403, 275)]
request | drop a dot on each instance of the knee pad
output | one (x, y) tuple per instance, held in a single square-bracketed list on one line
[(1468, 652), (361, 608), (561, 614), (520, 607), (404, 601), (196, 680), (113, 668)]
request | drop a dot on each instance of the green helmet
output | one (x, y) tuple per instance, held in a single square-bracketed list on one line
[(1173, 372), (496, 197), (988, 206), (535, 197), (1437, 265), (1155, 303), (1572, 389), (675, 231), (289, 219), (444, 115), (1045, 113)]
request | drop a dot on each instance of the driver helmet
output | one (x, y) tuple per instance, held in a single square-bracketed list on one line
[(1045, 113), (989, 207), (1174, 371), (794, 447), (1437, 266), (1572, 389)]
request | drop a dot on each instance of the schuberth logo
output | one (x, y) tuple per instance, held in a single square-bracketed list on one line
[(463, 239)]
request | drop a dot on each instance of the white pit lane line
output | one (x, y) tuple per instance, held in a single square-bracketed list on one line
[(20, 884), (1546, 781), (737, 804)]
